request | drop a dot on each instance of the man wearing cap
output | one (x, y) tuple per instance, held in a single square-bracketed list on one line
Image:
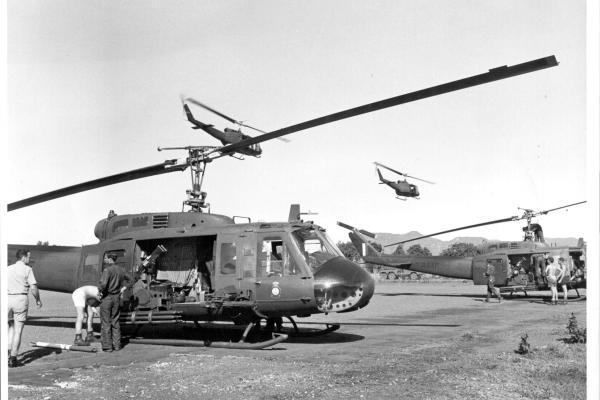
[(19, 280), (85, 300), (491, 288), (113, 282)]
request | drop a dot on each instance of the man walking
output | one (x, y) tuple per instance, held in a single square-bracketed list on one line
[(113, 282), (491, 289), (19, 280)]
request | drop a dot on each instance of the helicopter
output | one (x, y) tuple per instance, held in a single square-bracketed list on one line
[(194, 265), (519, 266), (227, 135), (402, 188)]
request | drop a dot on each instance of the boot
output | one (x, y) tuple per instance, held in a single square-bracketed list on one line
[(90, 338), (79, 341)]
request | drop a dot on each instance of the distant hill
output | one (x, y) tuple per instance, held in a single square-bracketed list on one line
[(436, 246)]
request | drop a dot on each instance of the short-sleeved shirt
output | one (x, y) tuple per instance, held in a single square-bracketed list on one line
[(19, 278)]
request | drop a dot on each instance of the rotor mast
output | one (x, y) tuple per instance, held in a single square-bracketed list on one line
[(197, 161)]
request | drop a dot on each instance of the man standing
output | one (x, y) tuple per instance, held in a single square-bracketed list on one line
[(19, 279), (491, 289), (85, 300), (564, 279), (112, 285), (553, 275)]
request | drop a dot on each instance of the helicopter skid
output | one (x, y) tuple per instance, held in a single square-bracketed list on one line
[(241, 345)]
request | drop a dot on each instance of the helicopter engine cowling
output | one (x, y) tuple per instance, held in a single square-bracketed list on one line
[(341, 285)]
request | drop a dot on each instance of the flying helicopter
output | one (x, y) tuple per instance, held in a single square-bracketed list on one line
[(227, 135), (197, 266), (519, 266), (402, 188)]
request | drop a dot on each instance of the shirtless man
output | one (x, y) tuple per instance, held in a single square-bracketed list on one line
[(553, 274), (85, 299)]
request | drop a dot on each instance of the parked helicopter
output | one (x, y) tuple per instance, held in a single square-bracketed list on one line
[(519, 266), (402, 188), (198, 266)]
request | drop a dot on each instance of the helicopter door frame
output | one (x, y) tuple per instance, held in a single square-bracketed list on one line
[(282, 285), (227, 267), (90, 266), (500, 263)]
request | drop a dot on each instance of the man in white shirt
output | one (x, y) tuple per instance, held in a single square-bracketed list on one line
[(85, 299), (19, 280)]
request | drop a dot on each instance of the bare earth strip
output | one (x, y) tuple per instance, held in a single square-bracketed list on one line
[(413, 341)]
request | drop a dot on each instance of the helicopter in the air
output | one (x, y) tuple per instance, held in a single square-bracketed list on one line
[(197, 266), (402, 188), (227, 135), (519, 265)]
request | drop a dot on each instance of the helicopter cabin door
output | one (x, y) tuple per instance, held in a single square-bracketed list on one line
[(282, 285), (89, 269), (92, 260), (227, 270), (500, 263)]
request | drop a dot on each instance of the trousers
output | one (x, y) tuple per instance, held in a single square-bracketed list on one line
[(109, 317)]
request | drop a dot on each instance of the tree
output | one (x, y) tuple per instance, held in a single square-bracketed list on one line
[(461, 250), (399, 250), (40, 243), (417, 250), (349, 251)]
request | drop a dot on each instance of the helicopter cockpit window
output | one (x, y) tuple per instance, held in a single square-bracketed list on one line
[(316, 246), (228, 259), (274, 259)]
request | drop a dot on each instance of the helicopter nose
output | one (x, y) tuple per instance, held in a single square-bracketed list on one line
[(341, 285)]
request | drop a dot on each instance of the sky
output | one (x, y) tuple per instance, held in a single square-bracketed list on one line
[(93, 89)]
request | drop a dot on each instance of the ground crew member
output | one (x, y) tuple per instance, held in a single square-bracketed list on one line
[(113, 282), (553, 275), (19, 280), (491, 289), (565, 278), (85, 300)]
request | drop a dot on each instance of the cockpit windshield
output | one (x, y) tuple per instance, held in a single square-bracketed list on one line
[(316, 247)]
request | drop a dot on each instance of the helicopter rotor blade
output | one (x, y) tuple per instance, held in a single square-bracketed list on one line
[(492, 75), (527, 214), (558, 208), (167, 166), (420, 179), (220, 114), (350, 227), (389, 169), (514, 218)]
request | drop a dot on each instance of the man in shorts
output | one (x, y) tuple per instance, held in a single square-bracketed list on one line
[(85, 299), (19, 280), (553, 275)]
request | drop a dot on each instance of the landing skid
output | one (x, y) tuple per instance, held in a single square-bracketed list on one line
[(241, 344), (313, 332)]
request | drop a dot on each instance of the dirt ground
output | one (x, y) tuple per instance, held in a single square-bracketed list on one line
[(415, 340)]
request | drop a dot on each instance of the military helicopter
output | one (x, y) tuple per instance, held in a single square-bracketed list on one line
[(227, 135), (402, 188), (518, 266), (197, 266)]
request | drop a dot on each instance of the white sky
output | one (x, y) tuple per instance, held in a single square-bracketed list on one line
[(93, 89)]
